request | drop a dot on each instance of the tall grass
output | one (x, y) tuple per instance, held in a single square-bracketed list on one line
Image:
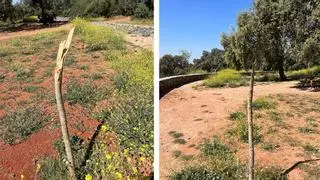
[(98, 37), (305, 73), (226, 77)]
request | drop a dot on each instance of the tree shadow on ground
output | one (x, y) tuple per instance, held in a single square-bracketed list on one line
[(30, 26)]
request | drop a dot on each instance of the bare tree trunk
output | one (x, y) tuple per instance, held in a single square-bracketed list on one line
[(63, 49), (250, 127)]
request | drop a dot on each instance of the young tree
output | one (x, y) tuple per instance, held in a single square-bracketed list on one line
[(249, 46)]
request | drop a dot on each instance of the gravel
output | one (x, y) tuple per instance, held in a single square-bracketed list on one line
[(145, 31)]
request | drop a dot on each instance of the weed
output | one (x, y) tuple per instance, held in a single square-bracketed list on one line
[(96, 76), (69, 61), (86, 94), (175, 134), (2, 77), (241, 131), (84, 67), (263, 103), (21, 124), (306, 130), (226, 77), (85, 75), (23, 73), (97, 37), (214, 148), (179, 141), (195, 173), (176, 153), (310, 148), (238, 115), (30, 89), (269, 146)]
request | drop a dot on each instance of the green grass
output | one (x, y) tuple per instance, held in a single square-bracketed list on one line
[(175, 134), (304, 73), (310, 148), (86, 67), (241, 132), (214, 148), (84, 94), (98, 37), (263, 103), (217, 161), (226, 77), (179, 141), (238, 115), (30, 89), (20, 124), (22, 73), (176, 153), (269, 146)]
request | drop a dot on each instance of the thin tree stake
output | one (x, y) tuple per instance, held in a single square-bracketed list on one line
[(62, 52)]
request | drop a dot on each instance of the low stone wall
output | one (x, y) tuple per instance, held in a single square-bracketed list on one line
[(169, 83), (141, 30)]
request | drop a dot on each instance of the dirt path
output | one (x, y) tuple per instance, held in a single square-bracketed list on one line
[(9, 35), (200, 114)]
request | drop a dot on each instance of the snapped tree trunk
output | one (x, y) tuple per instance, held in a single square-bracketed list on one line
[(250, 127), (63, 49)]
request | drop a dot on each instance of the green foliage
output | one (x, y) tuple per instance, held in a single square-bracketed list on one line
[(241, 131), (2, 77), (23, 73), (306, 130), (98, 37), (195, 173), (174, 65), (132, 117), (179, 141), (226, 77), (305, 73), (217, 161), (238, 115), (116, 162), (269, 146), (214, 148), (30, 89), (142, 11), (52, 169), (20, 124), (263, 103), (85, 94), (31, 19), (210, 61), (310, 148)]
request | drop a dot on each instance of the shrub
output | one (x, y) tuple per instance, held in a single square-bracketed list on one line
[(21, 124), (31, 19), (304, 73), (226, 77), (179, 141), (269, 146), (142, 11), (238, 115), (98, 37)]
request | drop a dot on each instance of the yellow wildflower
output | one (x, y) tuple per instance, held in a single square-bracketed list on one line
[(142, 159), (104, 128), (88, 177), (118, 175), (135, 171), (108, 156), (22, 176)]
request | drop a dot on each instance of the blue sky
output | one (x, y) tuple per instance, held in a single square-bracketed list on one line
[(196, 25)]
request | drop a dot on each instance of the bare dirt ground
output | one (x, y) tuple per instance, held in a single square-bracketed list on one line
[(201, 113)]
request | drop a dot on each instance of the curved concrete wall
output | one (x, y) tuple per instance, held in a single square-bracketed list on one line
[(168, 83)]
